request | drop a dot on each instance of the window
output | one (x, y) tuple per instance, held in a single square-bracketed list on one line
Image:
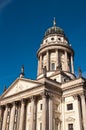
[(41, 106), (59, 39), (53, 66), (52, 38), (69, 106), (70, 126), (40, 126)]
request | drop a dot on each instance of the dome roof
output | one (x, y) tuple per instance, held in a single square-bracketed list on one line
[(54, 30)]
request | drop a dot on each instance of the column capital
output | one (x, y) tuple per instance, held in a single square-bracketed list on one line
[(63, 99), (75, 96), (33, 98), (23, 101), (82, 95), (44, 94)]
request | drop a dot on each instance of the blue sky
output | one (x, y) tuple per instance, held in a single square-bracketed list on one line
[(22, 27)]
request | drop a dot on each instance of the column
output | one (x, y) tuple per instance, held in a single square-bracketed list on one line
[(66, 63), (44, 114), (12, 117), (22, 116), (5, 118), (1, 117), (78, 124), (38, 66), (83, 110), (40, 69), (72, 65), (33, 121), (63, 113), (50, 113), (57, 58), (48, 61)]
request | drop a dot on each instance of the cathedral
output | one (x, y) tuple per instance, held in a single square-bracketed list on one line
[(56, 99)]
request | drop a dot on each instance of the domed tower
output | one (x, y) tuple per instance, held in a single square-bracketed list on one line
[(55, 53)]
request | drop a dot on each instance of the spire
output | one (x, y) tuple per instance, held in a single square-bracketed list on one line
[(22, 72), (54, 22)]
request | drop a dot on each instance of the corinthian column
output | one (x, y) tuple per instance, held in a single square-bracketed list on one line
[(40, 69), (83, 110), (48, 61), (63, 113), (50, 113), (78, 123), (38, 66), (12, 117), (5, 118), (0, 117), (22, 116), (66, 64), (33, 121), (57, 58), (72, 65), (44, 114)]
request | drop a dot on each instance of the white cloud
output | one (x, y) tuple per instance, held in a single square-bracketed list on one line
[(4, 3)]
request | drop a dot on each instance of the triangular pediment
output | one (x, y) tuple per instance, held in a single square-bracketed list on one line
[(20, 85)]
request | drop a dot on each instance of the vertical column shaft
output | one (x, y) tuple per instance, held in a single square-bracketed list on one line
[(40, 69), (48, 61), (72, 64), (5, 118), (63, 113), (1, 117), (66, 63), (33, 102), (57, 58), (50, 113), (78, 113), (44, 124), (22, 114), (38, 66), (12, 117), (83, 110)]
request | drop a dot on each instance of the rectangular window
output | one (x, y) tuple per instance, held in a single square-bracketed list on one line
[(70, 126), (53, 66), (70, 106), (40, 126), (41, 106)]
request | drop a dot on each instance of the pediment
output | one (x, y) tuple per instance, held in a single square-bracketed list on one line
[(20, 85)]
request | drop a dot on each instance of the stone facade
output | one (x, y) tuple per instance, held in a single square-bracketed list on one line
[(56, 100)]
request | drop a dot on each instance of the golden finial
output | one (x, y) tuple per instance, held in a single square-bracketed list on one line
[(54, 22)]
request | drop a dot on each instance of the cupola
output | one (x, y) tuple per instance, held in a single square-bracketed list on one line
[(55, 52)]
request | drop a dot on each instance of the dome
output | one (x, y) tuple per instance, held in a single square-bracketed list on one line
[(54, 30)]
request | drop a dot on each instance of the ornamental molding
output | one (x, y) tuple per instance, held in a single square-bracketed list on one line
[(70, 119)]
